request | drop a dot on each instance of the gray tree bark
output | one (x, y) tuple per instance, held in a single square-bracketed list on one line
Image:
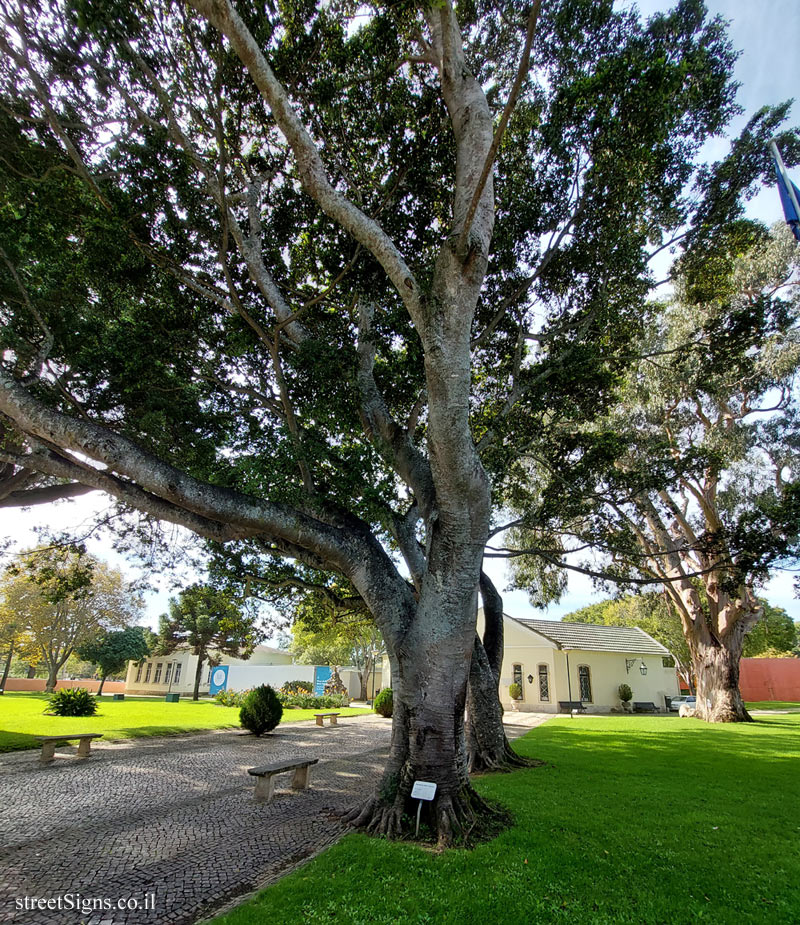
[(488, 748)]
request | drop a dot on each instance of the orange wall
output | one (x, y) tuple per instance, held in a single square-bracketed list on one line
[(38, 684), (770, 678)]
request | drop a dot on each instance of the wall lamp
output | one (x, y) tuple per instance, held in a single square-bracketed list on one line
[(629, 662)]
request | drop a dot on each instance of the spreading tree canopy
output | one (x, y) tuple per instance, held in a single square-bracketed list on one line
[(704, 492), (111, 650), (303, 280), (60, 598)]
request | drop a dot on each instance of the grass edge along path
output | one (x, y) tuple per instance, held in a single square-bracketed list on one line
[(635, 819), (22, 718)]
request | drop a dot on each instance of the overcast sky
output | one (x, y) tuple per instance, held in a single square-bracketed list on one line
[(769, 71)]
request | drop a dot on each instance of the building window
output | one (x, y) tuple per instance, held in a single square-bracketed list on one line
[(147, 672), (157, 676), (139, 672), (518, 677), (177, 677), (585, 683), (544, 683), (667, 661), (168, 673)]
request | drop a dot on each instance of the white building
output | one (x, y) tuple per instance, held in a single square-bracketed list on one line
[(561, 663), (174, 673), (556, 663)]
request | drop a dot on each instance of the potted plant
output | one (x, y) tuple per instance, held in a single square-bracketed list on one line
[(625, 696), (515, 693)]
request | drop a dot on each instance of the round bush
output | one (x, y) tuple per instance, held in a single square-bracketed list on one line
[(384, 702), (515, 691), (261, 711), (75, 701), (625, 693)]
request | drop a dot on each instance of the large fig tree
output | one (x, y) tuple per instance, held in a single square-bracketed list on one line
[(275, 273)]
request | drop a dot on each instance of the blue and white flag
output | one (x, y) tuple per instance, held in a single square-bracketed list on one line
[(789, 193)]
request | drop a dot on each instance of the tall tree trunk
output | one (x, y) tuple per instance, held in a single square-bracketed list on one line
[(102, 682), (716, 667), (197, 675), (52, 678), (31, 672), (488, 748), (362, 680), (715, 633), (7, 667), (429, 684)]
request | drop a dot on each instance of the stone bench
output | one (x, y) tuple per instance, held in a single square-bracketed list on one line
[(645, 707), (320, 718), (571, 706), (265, 784), (49, 744)]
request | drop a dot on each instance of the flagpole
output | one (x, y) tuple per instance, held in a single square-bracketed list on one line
[(784, 173)]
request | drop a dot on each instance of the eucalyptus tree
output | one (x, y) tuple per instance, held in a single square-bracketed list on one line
[(703, 493), (307, 251)]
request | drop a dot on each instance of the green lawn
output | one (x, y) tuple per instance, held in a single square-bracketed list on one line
[(635, 820), (21, 718), (773, 705)]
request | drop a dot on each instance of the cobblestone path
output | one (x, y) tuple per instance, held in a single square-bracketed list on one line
[(173, 817)]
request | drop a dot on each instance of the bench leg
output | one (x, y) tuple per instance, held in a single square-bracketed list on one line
[(334, 721), (302, 778), (48, 752), (265, 788), (83, 748), (319, 720)]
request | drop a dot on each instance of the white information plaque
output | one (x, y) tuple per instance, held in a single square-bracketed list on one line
[(423, 790)]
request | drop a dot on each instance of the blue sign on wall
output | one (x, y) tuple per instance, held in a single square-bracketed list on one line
[(219, 679), (322, 674)]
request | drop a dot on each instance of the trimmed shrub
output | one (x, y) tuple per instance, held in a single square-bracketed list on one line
[(383, 704), (625, 693), (75, 701), (296, 687), (261, 711), (515, 691)]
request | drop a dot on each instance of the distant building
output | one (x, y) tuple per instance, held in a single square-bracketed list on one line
[(556, 662), (174, 673)]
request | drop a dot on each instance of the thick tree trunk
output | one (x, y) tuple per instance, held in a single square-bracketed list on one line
[(716, 667), (487, 746), (102, 682), (31, 673), (197, 675), (429, 685), (7, 667), (52, 678)]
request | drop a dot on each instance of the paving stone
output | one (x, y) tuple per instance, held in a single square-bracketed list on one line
[(174, 817)]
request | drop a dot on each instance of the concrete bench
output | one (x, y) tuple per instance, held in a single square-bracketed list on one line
[(49, 744), (265, 784), (571, 706), (645, 707), (320, 717)]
